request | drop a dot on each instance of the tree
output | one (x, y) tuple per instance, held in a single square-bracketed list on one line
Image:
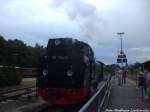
[(16, 52)]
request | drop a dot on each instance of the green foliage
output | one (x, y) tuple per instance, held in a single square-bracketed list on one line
[(110, 69), (134, 69), (16, 52), (9, 76)]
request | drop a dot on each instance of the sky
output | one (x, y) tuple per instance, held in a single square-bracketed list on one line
[(93, 21)]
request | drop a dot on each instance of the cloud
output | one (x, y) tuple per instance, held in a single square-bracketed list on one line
[(34, 21), (93, 21), (141, 49), (139, 54), (86, 15), (91, 24)]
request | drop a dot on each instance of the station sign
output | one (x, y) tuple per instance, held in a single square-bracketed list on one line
[(122, 60), (121, 56)]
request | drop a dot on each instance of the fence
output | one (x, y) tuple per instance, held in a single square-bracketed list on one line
[(99, 100)]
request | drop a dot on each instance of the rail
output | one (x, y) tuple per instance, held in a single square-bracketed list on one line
[(99, 100), (14, 90), (16, 93)]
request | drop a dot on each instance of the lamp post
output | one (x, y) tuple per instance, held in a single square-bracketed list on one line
[(120, 34), (121, 51)]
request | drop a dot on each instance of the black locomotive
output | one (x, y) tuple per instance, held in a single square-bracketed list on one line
[(66, 71)]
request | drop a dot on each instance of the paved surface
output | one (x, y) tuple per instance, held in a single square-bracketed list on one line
[(126, 97)]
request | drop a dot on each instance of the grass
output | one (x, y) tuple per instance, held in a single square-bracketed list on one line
[(25, 83)]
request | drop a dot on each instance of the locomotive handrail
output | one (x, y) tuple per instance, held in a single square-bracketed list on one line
[(96, 103)]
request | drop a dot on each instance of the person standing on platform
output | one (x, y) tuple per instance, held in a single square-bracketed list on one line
[(124, 76), (141, 85), (119, 75), (148, 84), (116, 76)]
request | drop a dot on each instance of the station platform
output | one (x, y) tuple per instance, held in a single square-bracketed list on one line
[(125, 98)]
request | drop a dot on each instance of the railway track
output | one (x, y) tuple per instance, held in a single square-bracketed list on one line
[(44, 107), (11, 94), (33, 107), (38, 105), (7, 98)]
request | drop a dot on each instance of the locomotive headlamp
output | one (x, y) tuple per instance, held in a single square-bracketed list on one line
[(69, 73), (74, 41), (45, 72), (57, 42)]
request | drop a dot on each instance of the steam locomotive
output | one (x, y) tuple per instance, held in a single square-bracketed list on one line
[(66, 72)]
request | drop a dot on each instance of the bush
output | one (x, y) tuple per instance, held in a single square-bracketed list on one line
[(9, 76)]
